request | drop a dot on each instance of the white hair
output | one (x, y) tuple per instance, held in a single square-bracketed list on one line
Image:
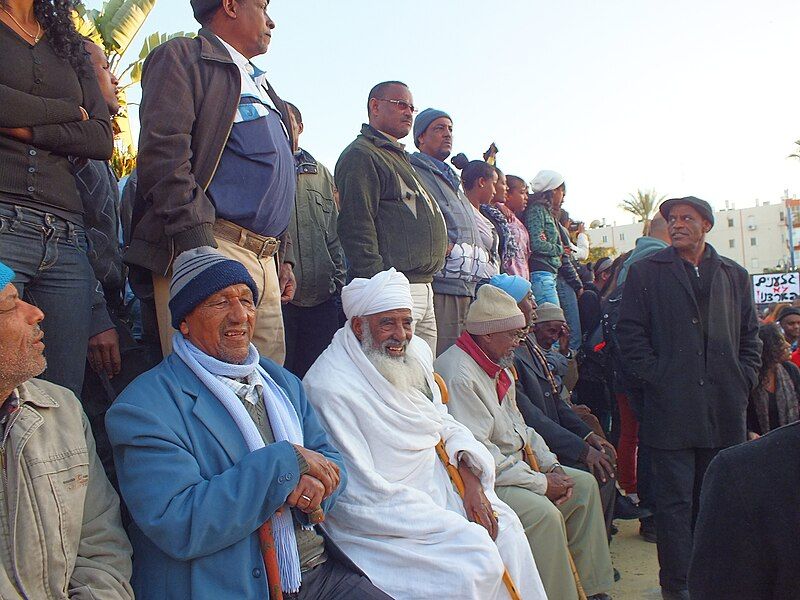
[(403, 372)]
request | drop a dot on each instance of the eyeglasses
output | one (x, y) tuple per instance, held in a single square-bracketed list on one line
[(401, 104)]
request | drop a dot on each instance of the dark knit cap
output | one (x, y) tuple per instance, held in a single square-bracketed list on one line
[(701, 206), (200, 273), (788, 311), (202, 7), (424, 120)]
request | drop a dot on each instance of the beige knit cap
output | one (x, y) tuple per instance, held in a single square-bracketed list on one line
[(493, 311), (549, 312)]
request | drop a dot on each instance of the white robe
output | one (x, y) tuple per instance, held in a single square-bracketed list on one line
[(400, 519)]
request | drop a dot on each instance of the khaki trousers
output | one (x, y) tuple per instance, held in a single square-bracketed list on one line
[(268, 335), (451, 311), (578, 523), (423, 313)]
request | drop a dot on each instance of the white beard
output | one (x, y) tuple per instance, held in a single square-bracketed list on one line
[(402, 372)]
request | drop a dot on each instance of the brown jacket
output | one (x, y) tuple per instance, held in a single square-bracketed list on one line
[(190, 94), (62, 535)]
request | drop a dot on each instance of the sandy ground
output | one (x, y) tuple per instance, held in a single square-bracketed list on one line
[(637, 562)]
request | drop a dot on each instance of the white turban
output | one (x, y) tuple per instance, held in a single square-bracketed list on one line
[(387, 290), (546, 181)]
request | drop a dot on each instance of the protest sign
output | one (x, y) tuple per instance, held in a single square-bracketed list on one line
[(776, 287)]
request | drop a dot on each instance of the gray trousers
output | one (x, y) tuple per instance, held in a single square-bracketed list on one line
[(334, 581), (450, 314)]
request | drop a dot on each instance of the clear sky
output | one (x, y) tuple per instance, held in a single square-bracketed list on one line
[(692, 97)]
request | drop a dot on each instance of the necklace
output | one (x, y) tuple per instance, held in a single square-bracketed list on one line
[(36, 37)]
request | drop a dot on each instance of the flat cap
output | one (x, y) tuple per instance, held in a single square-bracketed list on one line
[(703, 207)]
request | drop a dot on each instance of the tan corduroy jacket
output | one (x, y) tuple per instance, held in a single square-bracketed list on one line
[(498, 425), (60, 529)]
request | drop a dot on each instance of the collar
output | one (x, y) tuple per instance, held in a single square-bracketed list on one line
[(440, 167), (503, 380), (237, 57), (251, 389), (382, 140)]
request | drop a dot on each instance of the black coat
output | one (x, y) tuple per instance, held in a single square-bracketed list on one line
[(746, 538), (695, 391), (548, 414)]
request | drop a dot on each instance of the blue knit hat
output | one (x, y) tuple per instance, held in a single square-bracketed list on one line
[(6, 275), (200, 273), (515, 286), (424, 120)]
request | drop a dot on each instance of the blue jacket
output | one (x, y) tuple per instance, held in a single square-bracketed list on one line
[(196, 495)]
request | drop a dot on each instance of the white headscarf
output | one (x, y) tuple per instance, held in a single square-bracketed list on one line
[(546, 181), (387, 290)]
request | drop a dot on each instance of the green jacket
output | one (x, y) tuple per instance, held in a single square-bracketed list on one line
[(546, 246), (319, 259), (388, 218)]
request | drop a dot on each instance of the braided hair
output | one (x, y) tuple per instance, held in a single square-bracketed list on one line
[(55, 17)]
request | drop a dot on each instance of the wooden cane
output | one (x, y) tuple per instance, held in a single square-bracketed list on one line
[(458, 482), (530, 458), (270, 555)]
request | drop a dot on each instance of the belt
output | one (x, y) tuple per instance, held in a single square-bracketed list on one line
[(261, 246)]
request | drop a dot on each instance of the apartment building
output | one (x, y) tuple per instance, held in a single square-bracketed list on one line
[(756, 237)]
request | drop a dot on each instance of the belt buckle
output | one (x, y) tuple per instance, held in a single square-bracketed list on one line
[(267, 248)]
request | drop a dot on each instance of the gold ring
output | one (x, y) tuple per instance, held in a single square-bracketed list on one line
[(495, 514)]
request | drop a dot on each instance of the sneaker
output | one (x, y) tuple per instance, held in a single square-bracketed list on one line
[(625, 509)]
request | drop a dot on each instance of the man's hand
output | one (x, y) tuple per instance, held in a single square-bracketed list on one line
[(103, 354), (322, 469), (559, 487), (563, 340), (308, 495), (599, 465), (23, 134), (602, 444), (476, 504), (287, 282)]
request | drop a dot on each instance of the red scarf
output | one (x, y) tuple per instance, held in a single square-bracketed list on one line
[(492, 369)]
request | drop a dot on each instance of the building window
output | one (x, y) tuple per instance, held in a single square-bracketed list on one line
[(731, 243), (621, 237), (752, 241), (782, 217), (730, 222), (605, 239)]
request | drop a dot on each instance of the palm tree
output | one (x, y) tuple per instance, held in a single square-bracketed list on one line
[(113, 28), (642, 205)]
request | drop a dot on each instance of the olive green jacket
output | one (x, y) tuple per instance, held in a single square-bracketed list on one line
[(319, 259), (388, 218)]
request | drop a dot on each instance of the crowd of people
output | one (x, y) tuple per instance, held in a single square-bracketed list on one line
[(236, 374)]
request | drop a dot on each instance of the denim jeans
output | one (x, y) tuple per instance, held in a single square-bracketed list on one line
[(543, 286), (569, 304), (48, 255)]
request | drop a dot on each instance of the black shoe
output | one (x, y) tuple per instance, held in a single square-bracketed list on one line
[(599, 597), (647, 529), (674, 595), (614, 529), (617, 576), (625, 509)]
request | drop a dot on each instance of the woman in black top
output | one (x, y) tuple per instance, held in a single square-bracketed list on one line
[(774, 401), (51, 110)]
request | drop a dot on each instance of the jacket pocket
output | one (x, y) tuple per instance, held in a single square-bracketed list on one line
[(60, 482), (321, 208)]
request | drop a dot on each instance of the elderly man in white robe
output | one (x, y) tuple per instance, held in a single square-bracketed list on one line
[(400, 519)]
